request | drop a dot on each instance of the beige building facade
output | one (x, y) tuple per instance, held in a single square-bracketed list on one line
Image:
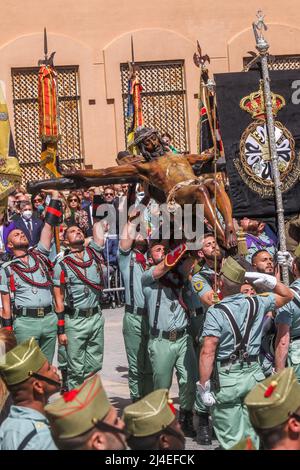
[(95, 36)]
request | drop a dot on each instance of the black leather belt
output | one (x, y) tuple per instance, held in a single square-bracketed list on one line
[(170, 335), (32, 312), (82, 312), (228, 361), (136, 311)]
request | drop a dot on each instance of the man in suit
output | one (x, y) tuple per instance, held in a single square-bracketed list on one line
[(31, 226)]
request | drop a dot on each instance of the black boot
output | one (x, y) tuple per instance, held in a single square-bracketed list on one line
[(186, 421), (64, 380), (203, 431)]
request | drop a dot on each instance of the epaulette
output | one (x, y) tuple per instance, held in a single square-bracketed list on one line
[(264, 294)]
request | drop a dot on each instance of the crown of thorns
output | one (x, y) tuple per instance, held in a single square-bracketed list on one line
[(142, 133)]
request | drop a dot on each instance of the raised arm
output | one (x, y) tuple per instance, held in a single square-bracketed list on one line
[(47, 232)]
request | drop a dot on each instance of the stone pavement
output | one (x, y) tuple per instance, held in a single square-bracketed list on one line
[(115, 368)]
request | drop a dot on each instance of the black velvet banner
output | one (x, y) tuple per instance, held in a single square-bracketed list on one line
[(231, 88)]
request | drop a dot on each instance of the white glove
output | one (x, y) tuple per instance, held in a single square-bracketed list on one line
[(285, 258), (265, 281), (205, 393)]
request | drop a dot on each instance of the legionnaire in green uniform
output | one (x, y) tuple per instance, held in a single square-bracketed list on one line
[(26, 285), (83, 419), (132, 263), (274, 410), (151, 423), (203, 285), (288, 328), (203, 280), (31, 380), (170, 345), (232, 336), (263, 262), (77, 287)]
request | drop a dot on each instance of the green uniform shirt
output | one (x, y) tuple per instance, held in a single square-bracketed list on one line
[(83, 295), (216, 323), (171, 314), (290, 313), (202, 282), (27, 295), (190, 298), (20, 422), (125, 258)]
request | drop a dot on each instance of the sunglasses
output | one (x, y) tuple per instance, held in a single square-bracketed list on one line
[(38, 200), (73, 200), (108, 194)]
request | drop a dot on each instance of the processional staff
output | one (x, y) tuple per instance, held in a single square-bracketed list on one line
[(262, 46)]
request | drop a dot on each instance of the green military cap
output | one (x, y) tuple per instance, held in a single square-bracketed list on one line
[(77, 411), (149, 415), (233, 271), (271, 401), (17, 364)]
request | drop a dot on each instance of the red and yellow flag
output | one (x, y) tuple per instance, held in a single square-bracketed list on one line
[(48, 118)]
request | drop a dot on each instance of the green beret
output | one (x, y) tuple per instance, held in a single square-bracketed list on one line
[(149, 415), (233, 271), (271, 401), (76, 411), (20, 361)]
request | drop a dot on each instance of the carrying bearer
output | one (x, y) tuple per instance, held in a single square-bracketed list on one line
[(132, 263), (78, 282), (26, 284), (232, 337), (170, 345)]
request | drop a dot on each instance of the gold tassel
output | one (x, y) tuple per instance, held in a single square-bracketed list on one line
[(242, 245)]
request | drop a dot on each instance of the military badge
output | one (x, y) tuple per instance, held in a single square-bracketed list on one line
[(254, 165), (198, 285)]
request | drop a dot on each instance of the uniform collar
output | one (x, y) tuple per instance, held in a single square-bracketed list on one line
[(25, 412)]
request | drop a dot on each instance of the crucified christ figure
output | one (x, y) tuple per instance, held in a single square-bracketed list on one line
[(170, 178)]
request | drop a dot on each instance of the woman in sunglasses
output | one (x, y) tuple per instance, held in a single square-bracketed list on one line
[(74, 215), (38, 204)]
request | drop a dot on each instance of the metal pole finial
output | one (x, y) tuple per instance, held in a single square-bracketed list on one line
[(259, 27), (46, 60)]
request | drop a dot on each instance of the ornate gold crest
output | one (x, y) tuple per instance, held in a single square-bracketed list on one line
[(254, 165)]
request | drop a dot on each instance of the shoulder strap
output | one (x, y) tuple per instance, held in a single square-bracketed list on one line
[(97, 260), (252, 312), (131, 295), (241, 341), (235, 329), (70, 299), (296, 300), (27, 439), (157, 306)]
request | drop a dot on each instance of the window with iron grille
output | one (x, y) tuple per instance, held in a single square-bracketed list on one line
[(26, 119), (280, 62), (163, 98)]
